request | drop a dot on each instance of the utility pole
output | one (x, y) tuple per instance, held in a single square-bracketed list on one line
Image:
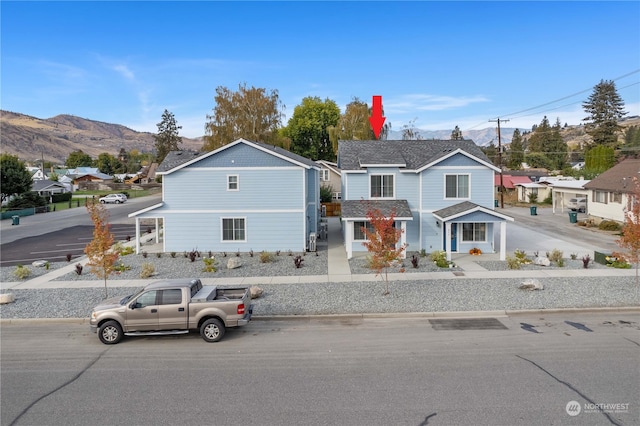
[(500, 161)]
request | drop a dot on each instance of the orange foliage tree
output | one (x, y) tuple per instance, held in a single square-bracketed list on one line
[(630, 239), (382, 243), (101, 257)]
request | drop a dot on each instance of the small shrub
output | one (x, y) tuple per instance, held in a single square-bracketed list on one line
[(414, 261), (561, 263), (277, 252), (69, 256), (617, 260), (172, 254), (209, 264), (439, 257), (423, 253), (224, 254), (144, 254), (121, 267), (21, 272), (609, 225), (47, 265), (555, 256), (266, 257), (158, 255), (585, 261), (251, 253), (238, 253), (513, 263), (148, 229), (147, 270), (193, 255), (290, 253), (573, 256), (79, 268), (298, 261), (210, 253), (128, 237)]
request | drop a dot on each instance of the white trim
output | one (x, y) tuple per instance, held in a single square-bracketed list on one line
[(237, 182), (238, 169), (383, 165), (222, 240), (458, 168), (473, 210), (145, 210)]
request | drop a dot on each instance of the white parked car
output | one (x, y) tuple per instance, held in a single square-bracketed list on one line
[(113, 198), (579, 204)]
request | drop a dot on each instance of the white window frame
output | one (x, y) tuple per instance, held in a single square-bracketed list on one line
[(237, 183), (600, 197), (358, 234), (458, 197), (382, 186), (234, 240), (324, 175), (615, 197), (474, 231)]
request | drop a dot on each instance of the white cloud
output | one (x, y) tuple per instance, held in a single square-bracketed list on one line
[(125, 72), (423, 102)]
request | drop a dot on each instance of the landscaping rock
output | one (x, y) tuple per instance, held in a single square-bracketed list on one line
[(256, 292), (7, 298), (542, 261), (234, 263), (39, 263), (531, 285)]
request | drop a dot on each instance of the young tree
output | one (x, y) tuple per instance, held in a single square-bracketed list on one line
[(410, 131), (630, 239), (309, 127), (515, 155), (99, 251), (14, 177), (382, 243), (167, 138), (78, 159), (251, 113), (456, 134), (605, 107), (354, 124)]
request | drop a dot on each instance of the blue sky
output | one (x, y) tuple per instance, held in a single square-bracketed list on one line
[(438, 64)]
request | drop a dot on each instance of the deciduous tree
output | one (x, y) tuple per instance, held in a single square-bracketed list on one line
[(14, 177), (456, 134), (630, 239), (78, 159), (102, 257), (309, 127), (251, 113), (382, 242), (167, 139), (605, 108)]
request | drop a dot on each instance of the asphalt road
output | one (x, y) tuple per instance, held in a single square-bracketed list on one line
[(51, 236), (344, 371)]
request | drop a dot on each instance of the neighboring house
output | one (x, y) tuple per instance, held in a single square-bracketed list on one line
[(509, 182), (47, 187), (440, 190), (36, 173), (527, 190), (243, 196), (609, 192), (90, 177), (564, 190), (330, 176)]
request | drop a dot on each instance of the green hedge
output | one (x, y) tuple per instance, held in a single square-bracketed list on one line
[(59, 198)]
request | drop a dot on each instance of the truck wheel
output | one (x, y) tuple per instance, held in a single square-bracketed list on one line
[(110, 333), (212, 330)]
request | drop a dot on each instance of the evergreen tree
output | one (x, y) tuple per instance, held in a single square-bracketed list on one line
[(605, 107), (599, 158), (167, 139), (515, 155)]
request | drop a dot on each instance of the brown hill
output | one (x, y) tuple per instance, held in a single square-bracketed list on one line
[(31, 138)]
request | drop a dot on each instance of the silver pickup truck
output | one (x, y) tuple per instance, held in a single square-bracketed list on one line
[(173, 307)]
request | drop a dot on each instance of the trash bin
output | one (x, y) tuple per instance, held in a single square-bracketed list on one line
[(533, 210), (495, 203), (15, 220), (573, 217)]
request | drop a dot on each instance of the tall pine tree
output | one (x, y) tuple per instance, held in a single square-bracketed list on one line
[(515, 155), (167, 138), (605, 107)]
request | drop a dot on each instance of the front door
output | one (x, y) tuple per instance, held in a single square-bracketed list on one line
[(454, 238)]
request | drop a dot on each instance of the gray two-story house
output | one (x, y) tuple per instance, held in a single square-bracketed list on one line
[(440, 191), (243, 196)]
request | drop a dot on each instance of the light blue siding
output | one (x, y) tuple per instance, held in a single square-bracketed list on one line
[(241, 155), (458, 160)]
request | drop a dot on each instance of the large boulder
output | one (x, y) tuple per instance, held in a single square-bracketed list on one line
[(256, 292), (542, 261), (39, 263), (233, 263), (7, 298)]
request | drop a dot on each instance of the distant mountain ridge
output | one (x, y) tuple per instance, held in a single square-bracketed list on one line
[(482, 137), (32, 138)]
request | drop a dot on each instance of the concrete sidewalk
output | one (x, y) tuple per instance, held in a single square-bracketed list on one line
[(338, 271)]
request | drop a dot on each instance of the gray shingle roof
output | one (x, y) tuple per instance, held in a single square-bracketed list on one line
[(413, 154), (455, 209), (176, 158), (357, 209)]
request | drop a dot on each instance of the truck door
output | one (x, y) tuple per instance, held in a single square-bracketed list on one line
[(172, 310), (142, 313)]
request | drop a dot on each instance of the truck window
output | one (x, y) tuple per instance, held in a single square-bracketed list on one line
[(147, 299), (171, 297)]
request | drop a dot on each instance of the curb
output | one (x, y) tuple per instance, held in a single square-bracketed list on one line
[(363, 316)]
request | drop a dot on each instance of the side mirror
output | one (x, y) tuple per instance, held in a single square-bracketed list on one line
[(134, 305)]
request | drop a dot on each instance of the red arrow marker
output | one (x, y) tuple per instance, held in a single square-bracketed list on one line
[(376, 119)]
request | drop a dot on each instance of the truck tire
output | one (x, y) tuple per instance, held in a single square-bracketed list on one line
[(212, 330), (110, 333)]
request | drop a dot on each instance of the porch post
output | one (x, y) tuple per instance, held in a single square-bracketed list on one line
[(157, 232), (503, 240), (447, 233), (348, 237), (403, 237), (137, 235)]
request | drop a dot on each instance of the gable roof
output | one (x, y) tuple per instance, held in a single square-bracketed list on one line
[(330, 165), (619, 178), (465, 208), (39, 185), (413, 155), (510, 181), (357, 209), (176, 160)]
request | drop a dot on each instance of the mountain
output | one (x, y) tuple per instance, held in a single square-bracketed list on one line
[(32, 138), (482, 137)]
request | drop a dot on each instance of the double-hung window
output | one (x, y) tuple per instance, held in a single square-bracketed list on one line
[(474, 232), (456, 186), (358, 233), (381, 186), (233, 183), (233, 229), (324, 175), (600, 197)]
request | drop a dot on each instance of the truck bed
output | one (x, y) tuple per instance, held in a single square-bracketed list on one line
[(211, 293)]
